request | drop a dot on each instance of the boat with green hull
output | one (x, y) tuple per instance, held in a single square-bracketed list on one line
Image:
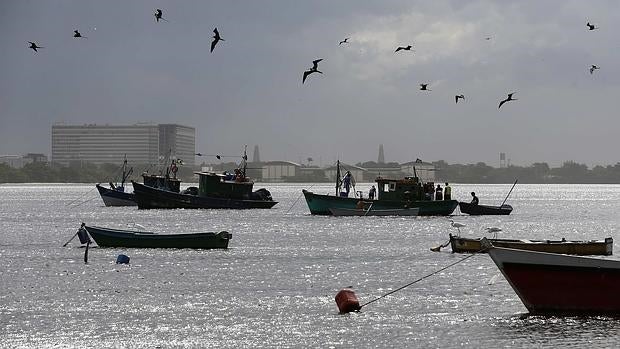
[(408, 192)]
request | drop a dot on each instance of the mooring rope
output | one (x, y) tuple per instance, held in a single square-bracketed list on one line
[(299, 197), (420, 279)]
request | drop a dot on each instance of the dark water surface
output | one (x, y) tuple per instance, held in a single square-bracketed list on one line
[(275, 285)]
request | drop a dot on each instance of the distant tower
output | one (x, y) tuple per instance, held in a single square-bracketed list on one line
[(256, 157), (502, 160), (381, 159)]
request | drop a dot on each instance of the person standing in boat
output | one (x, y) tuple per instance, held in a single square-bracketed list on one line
[(438, 193), (372, 192), (346, 181), (447, 192), (474, 199)]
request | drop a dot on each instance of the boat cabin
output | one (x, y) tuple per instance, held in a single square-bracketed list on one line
[(224, 186), (162, 182), (407, 189)]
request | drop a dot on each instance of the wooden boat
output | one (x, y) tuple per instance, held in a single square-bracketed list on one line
[(117, 196), (338, 212), (477, 210), (392, 194), (214, 191), (558, 284), (106, 237), (592, 247)]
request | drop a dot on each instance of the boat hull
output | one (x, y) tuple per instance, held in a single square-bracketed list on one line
[(105, 237), (149, 198), (321, 204), (116, 198), (552, 284), (410, 212), (479, 210), (581, 248)]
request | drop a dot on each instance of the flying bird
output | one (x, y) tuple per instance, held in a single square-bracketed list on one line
[(77, 34), (345, 41), (593, 68), (459, 96), (403, 48), (216, 38), (314, 69), (159, 15), (507, 99), (423, 87), (34, 46), (591, 26)]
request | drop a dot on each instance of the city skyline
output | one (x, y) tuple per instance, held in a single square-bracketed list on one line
[(249, 90)]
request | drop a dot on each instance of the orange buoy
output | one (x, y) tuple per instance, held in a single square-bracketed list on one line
[(347, 301)]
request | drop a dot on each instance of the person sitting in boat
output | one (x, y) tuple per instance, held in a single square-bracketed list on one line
[(438, 193), (447, 192), (346, 181), (474, 199), (372, 192)]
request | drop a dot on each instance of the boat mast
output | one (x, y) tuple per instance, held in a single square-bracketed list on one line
[(124, 171), (337, 177)]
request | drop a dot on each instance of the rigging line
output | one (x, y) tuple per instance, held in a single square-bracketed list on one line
[(80, 197), (420, 279), (299, 197), (83, 202)]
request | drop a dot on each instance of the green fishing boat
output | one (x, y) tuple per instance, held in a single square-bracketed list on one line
[(408, 192)]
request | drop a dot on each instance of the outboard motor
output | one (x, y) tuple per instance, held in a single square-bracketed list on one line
[(262, 194)]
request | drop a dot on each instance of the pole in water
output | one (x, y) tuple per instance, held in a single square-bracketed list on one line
[(73, 237), (347, 301), (86, 253)]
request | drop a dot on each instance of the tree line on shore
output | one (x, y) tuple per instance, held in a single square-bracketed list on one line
[(569, 172)]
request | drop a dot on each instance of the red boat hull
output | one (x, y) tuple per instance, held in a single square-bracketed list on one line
[(552, 283)]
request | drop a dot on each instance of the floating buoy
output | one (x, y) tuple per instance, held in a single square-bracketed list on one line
[(83, 236), (347, 301), (122, 259)]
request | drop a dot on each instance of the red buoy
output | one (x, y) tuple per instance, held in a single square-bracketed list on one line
[(347, 301)]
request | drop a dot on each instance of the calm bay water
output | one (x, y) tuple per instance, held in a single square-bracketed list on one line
[(275, 285)]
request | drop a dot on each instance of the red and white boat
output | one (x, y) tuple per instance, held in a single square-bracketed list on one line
[(550, 283)]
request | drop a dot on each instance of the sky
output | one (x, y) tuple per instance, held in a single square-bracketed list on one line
[(132, 69)]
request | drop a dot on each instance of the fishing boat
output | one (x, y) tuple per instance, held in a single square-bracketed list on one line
[(479, 210), (558, 284), (339, 212), (408, 192), (106, 237), (232, 191), (116, 195), (583, 248)]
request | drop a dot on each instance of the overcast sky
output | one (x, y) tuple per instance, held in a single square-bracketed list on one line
[(248, 91)]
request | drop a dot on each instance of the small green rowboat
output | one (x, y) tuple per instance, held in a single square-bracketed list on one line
[(106, 237)]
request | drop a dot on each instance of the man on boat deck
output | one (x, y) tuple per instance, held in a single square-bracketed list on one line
[(372, 192), (474, 199), (346, 181), (447, 192), (438, 193)]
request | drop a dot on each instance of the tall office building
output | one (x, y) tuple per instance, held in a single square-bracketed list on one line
[(381, 158), (142, 143)]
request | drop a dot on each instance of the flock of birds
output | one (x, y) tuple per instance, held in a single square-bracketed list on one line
[(315, 64)]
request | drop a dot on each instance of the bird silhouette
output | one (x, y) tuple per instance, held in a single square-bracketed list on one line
[(507, 99), (314, 69), (159, 15), (403, 48), (591, 26), (593, 68), (459, 96), (345, 41), (34, 46), (77, 34), (424, 87), (216, 38), (457, 225)]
